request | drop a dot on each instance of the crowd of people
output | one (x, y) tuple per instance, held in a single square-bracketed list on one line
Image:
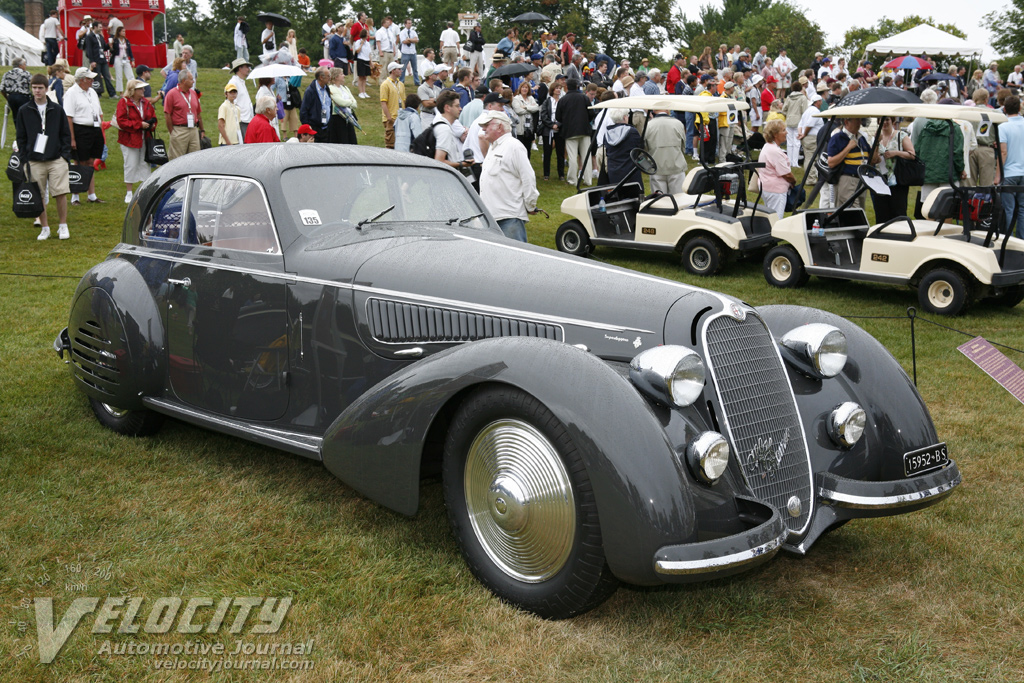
[(470, 113)]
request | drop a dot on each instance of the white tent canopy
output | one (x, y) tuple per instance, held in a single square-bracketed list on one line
[(14, 43), (925, 39)]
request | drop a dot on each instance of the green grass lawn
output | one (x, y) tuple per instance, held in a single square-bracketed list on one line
[(933, 596)]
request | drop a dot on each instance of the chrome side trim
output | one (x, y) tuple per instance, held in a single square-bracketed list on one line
[(712, 564), (293, 442), (847, 500), (468, 307)]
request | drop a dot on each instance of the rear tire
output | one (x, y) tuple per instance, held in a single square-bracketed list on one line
[(784, 268), (944, 292), (521, 505), (702, 256), (572, 238), (126, 422)]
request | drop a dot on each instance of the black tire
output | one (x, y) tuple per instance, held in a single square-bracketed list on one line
[(1011, 296), (126, 422), (550, 562), (702, 256), (572, 238), (944, 292), (784, 268)]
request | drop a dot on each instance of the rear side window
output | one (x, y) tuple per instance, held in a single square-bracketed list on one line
[(230, 213), (164, 220)]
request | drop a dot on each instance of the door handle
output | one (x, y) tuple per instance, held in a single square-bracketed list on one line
[(414, 352), (184, 283)]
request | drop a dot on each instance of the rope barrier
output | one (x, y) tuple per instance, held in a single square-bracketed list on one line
[(67, 277)]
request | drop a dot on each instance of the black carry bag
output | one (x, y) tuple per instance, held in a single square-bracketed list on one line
[(909, 171), (205, 143), (79, 178), (28, 200), (15, 172), (156, 151)]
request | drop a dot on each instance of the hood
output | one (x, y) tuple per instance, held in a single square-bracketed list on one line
[(617, 133), (615, 313), (406, 113)]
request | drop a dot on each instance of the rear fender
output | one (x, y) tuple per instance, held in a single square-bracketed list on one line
[(643, 503)]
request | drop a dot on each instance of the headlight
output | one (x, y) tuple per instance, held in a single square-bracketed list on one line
[(817, 349), (708, 456), (846, 424), (670, 374)]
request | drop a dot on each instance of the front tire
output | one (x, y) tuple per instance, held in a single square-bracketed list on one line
[(784, 268), (572, 238), (126, 422), (944, 292), (522, 507), (702, 256)]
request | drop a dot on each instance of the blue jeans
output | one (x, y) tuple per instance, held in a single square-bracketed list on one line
[(514, 228), (1014, 204), (690, 130), (410, 60)]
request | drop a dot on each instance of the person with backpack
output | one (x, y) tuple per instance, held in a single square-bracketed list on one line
[(447, 147), (408, 126), (241, 42)]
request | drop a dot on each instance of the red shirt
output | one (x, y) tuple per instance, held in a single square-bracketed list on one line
[(674, 75), (260, 130), (357, 28), (766, 99), (566, 53), (177, 105)]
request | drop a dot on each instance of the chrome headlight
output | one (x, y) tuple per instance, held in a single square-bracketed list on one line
[(708, 456), (846, 424), (670, 374), (818, 350)]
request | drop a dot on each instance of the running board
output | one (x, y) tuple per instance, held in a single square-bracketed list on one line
[(630, 244), (293, 442), (852, 274)]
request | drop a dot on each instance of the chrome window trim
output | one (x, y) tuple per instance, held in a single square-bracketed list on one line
[(718, 563), (789, 385)]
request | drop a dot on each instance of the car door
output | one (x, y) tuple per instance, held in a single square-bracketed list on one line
[(226, 302)]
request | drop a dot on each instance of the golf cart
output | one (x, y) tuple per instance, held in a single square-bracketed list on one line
[(950, 265), (707, 221)]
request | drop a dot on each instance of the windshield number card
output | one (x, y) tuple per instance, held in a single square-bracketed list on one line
[(309, 217)]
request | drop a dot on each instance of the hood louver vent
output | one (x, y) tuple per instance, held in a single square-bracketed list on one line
[(396, 322)]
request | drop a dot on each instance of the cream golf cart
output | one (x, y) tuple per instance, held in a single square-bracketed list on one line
[(705, 223), (949, 264)]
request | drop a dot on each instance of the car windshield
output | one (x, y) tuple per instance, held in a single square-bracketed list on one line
[(321, 199)]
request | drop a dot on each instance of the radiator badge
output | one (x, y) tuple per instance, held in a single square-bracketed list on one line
[(766, 457), (736, 312)]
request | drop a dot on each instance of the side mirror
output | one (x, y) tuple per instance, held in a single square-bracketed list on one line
[(644, 161)]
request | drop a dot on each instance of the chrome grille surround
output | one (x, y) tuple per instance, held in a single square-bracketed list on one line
[(398, 322), (760, 414)]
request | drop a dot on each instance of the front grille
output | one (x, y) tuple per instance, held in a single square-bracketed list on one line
[(397, 322), (92, 359), (762, 419)]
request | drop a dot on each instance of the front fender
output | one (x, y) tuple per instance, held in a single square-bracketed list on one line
[(643, 503)]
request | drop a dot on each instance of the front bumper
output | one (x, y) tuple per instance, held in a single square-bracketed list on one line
[(726, 555)]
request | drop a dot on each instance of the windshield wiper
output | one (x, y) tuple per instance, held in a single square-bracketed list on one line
[(466, 220), (360, 224)]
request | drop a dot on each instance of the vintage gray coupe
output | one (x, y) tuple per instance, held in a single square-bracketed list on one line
[(591, 424)]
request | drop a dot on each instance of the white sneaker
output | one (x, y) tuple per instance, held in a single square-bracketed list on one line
[(62, 232), (128, 197), (696, 157), (594, 174), (533, 147), (44, 234)]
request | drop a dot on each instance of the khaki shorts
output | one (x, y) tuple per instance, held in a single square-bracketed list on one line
[(449, 55), (53, 172)]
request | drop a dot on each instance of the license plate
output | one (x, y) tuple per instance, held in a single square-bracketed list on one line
[(925, 459)]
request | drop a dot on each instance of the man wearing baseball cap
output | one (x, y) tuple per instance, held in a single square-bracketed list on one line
[(508, 184), (392, 96), (304, 134), (82, 106)]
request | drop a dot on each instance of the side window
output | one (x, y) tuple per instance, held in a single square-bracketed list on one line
[(230, 214), (164, 220)]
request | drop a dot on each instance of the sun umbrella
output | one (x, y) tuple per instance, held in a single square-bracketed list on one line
[(276, 71), (510, 70), (274, 17), (880, 96), (908, 62), (939, 77), (530, 18)]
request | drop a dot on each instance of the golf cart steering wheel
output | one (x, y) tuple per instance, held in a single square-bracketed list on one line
[(642, 161)]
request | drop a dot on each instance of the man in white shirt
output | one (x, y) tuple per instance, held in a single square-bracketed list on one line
[(112, 25), (448, 147), (49, 33), (240, 71), (385, 38), (82, 106), (785, 67), (807, 134), (450, 41), (241, 44), (327, 31), (508, 184), (407, 41)]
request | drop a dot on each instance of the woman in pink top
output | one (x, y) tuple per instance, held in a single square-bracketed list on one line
[(776, 177)]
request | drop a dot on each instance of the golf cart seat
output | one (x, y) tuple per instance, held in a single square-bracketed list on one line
[(941, 205), (698, 181)]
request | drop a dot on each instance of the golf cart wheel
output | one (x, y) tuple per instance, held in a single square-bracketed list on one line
[(784, 268), (702, 256), (572, 238), (943, 291), (1011, 297)]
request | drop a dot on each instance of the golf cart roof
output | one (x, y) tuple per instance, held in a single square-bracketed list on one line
[(694, 103), (930, 111)]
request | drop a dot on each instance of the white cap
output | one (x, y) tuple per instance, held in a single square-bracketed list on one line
[(393, 65)]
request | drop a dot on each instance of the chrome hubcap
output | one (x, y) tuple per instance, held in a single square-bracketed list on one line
[(520, 501), (781, 267), (571, 241), (700, 258), (940, 293)]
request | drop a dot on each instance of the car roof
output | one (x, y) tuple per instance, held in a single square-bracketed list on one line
[(930, 111), (694, 103)]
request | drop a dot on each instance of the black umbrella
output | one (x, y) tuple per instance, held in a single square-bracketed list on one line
[(274, 17), (509, 70), (530, 18), (879, 96), (939, 77)]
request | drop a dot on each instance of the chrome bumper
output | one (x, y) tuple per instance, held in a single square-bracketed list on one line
[(723, 556), (872, 498)]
